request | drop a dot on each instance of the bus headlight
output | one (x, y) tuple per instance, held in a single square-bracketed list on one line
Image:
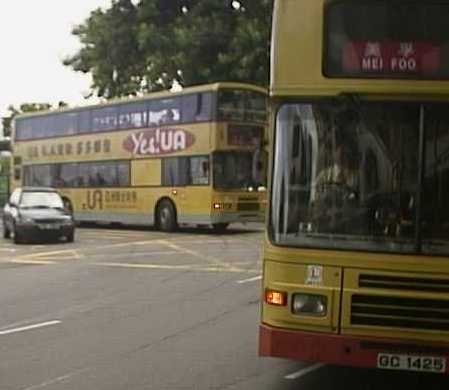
[(222, 206), (308, 304)]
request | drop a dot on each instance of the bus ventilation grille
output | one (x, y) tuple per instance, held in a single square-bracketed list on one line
[(404, 283), (400, 312)]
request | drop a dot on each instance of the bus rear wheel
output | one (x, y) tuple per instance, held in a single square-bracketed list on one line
[(220, 227), (166, 217)]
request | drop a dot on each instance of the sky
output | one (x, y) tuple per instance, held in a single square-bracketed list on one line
[(35, 36)]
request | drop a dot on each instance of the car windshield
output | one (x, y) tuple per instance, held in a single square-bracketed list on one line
[(240, 170), (348, 176), (41, 200)]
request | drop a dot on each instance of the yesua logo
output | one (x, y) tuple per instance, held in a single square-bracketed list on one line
[(158, 141)]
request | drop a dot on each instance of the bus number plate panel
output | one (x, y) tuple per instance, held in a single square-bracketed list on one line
[(411, 363)]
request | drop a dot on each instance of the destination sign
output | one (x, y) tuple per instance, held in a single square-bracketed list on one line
[(371, 57)]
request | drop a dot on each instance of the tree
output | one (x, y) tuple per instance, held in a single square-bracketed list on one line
[(13, 112), (131, 49), (110, 50)]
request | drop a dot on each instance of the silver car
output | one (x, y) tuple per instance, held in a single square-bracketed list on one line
[(34, 213)]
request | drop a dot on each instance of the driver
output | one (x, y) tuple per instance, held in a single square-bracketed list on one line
[(342, 173)]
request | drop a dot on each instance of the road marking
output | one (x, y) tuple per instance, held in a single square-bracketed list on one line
[(7, 249), (137, 254), (29, 262), (69, 254), (209, 259), (55, 380), (192, 268), (29, 327), (305, 371), (125, 244), (255, 278), (50, 382)]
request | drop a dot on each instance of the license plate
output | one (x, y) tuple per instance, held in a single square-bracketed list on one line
[(388, 361), (49, 227)]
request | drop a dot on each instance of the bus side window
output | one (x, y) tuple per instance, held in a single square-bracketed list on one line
[(175, 171), (165, 111), (196, 107), (199, 170)]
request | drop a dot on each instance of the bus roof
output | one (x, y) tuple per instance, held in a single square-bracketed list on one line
[(298, 49), (151, 95)]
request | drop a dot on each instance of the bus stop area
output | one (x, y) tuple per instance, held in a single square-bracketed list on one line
[(120, 308)]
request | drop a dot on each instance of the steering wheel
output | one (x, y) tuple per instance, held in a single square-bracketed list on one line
[(343, 191)]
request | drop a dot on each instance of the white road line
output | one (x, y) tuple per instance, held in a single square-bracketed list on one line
[(29, 327), (255, 278), (305, 371), (50, 382), (62, 378)]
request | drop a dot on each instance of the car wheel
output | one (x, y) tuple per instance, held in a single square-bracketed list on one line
[(6, 232), (220, 227), (70, 237), (17, 237), (166, 216)]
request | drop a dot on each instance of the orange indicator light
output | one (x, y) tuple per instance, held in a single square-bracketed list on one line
[(274, 297)]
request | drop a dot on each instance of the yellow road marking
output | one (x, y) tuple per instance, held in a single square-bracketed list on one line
[(34, 262), (66, 254), (209, 259), (125, 244), (177, 267)]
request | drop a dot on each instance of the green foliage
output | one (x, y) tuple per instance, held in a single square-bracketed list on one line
[(4, 164), (109, 50), (131, 49), (4, 177), (25, 107)]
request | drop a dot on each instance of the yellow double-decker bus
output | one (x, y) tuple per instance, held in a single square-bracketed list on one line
[(190, 157), (356, 261)]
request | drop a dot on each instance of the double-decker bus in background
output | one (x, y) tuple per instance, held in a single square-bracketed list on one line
[(190, 157), (356, 264)]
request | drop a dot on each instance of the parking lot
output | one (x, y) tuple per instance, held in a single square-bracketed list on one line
[(138, 309)]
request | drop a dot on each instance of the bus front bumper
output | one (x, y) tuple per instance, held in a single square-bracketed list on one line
[(229, 217), (340, 349)]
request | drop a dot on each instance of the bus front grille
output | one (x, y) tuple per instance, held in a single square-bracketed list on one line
[(393, 282), (400, 312), (248, 206)]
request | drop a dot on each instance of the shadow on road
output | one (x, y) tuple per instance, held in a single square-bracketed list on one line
[(201, 230)]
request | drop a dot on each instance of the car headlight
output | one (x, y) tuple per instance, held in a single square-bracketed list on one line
[(22, 219), (67, 222), (308, 304)]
